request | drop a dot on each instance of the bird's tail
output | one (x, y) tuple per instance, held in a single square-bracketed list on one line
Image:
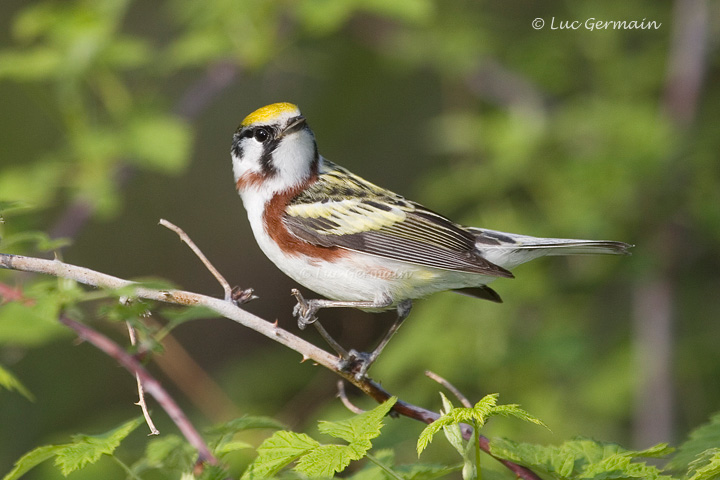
[(511, 249)]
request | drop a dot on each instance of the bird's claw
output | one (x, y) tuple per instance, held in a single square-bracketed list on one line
[(357, 363), (238, 295), (305, 310)]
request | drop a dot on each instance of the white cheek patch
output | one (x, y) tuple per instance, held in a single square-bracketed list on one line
[(293, 157), (252, 151)]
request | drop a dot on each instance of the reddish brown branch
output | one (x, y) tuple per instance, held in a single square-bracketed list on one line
[(150, 385)]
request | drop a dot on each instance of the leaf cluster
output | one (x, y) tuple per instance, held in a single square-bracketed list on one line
[(313, 458), (577, 459)]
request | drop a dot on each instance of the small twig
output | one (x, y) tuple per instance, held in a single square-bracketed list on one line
[(463, 399), (141, 392), (152, 386), (211, 268), (342, 395)]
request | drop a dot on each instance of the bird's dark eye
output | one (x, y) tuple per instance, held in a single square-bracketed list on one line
[(261, 134)]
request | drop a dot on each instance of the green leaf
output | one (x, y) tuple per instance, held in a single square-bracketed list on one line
[(10, 382), (326, 460), (278, 451), (69, 457), (706, 465), (581, 458), (453, 433), (315, 459), (702, 438), (621, 466), (87, 449), (32, 459), (477, 415), (360, 428)]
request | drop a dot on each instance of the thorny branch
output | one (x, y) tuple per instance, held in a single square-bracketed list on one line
[(151, 385), (231, 311), (141, 391)]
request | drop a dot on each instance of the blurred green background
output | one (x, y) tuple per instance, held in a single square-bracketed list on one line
[(116, 113)]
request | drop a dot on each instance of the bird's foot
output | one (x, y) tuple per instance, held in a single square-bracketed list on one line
[(357, 363), (238, 295), (305, 310)]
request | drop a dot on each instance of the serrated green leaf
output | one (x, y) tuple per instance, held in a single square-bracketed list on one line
[(706, 465), (702, 438), (72, 456), (514, 411), (477, 415), (87, 449), (10, 382), (278, 451), (619, 467), (245, 423), (581, 458), (326, 460), (360, 428), (32, 459)]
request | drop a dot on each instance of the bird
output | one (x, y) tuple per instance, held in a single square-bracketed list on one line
[(359, 244)]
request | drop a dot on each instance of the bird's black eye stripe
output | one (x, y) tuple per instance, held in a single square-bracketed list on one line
[(244, 134), (261, 134), (266, 158)]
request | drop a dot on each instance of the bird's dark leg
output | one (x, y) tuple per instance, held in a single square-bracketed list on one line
[(365, 360), (306, 311)]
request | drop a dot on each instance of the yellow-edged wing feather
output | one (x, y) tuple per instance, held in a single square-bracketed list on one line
[(341, 209)]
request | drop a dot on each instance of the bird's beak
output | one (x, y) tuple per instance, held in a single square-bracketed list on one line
[(296, 125)]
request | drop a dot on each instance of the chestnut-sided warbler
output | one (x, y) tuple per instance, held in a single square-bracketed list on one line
[(358, 244)]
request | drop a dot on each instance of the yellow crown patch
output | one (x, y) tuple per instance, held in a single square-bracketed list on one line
[(270, 112)]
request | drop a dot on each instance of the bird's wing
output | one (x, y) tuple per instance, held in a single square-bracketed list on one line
[(342, 210)]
